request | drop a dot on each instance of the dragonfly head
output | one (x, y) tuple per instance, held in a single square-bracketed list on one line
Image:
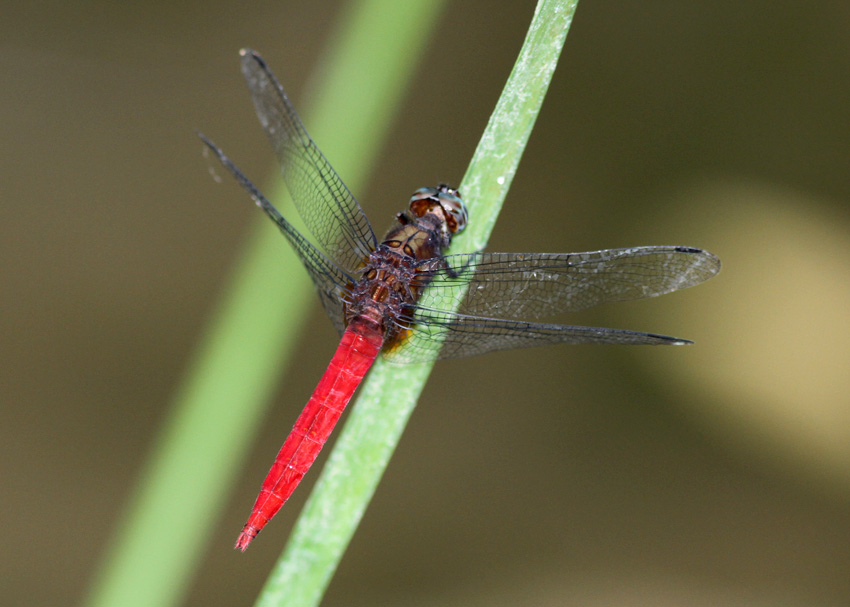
[(444, 202)]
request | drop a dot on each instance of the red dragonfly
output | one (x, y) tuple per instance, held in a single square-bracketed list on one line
[(372, 290)]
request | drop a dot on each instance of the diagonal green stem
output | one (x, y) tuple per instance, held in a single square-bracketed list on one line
[(219, 407), (389, 394)]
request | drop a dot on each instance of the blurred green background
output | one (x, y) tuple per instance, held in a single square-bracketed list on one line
[(709, 475)]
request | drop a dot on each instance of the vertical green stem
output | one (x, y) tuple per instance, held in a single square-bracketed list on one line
[(389, 394)]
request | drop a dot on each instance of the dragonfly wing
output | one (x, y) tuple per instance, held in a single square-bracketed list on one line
[(440, 334), (534, 285), (330, 281), (328, 209)]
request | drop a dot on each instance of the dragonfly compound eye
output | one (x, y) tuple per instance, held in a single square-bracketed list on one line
[(456, 213)]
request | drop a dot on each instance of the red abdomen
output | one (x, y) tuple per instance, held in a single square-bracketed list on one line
[(357, 350)]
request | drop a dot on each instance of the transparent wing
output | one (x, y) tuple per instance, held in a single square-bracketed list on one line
[(532, 285), (330, 281), (328, 209), (535, 285), (439, 334)]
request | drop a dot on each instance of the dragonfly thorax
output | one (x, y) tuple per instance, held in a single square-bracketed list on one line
[(387, 288), (395, 273)]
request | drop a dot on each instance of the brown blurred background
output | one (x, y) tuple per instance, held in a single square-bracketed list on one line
[(712, 475)]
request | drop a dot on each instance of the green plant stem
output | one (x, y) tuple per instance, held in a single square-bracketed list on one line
[(218, 409), (389, 394)]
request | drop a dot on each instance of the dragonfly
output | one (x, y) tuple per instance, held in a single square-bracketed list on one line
[(374, 291)]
